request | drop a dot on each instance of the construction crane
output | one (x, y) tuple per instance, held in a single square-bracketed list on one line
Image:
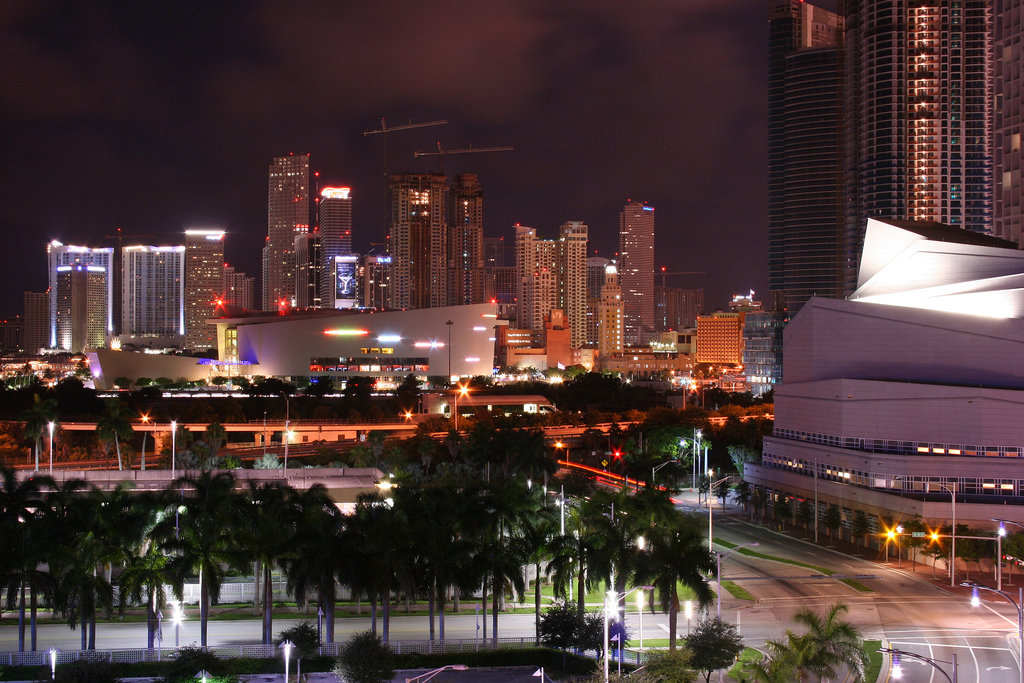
[(679, 272), (441, 153), (386, 130)]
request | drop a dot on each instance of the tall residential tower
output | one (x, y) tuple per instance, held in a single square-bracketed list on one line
[(287, 216), (1009, 119), (636, 269), (418, 240), (805, 226)]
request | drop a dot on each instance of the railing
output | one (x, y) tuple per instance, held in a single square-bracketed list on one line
[(263, 651)]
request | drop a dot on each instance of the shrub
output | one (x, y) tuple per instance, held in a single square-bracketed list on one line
[(84, 671), (365, 659), (303, 636), (190, 661)]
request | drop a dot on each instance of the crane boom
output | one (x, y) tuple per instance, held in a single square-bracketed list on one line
[(384, 128), (465, 150)]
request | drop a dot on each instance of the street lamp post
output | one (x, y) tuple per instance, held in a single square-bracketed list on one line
[(287, 646), (999, 548), (1019, 604), (718, 570), (654, 470), (53, 659), (51, 425), (159, 635), (711, 514), (952, 542), (461, 390), (897, 670), (174, 448), (287, 433), (145, 421), (176, 617)]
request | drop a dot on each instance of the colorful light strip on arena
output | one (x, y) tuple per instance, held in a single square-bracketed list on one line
[(429, 345), (346, 332)]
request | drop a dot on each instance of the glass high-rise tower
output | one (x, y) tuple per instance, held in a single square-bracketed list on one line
[(287, 216), (805, 244)]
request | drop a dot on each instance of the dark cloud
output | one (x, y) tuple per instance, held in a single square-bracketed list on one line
[(155, 116)]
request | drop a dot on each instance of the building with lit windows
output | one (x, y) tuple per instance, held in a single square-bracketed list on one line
[(762, 349), (610, 315), (553, 274), (1008, 65), (375, 281), (58, 256), (418, 240), (466, 241), (153, 292), (636, 269), (334, 237), (239, 289), (287, 215), (36, 316), (308, 269), (82, 319), (918, 115), (720, 338), (677, 309), (910, 389), (204, 282)]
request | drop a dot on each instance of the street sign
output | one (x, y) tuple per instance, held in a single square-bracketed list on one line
[(918, 534)]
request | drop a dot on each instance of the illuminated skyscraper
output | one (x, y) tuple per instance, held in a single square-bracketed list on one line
[(287, 216), (466, 241), (204, 282), (918, 134), (60, 255), (335, 238), (308, 270), (418, 241), (152, 291), (610, 315), (805, 222), (37, 322), (552, 274), (636, 268), (1009, 119), (82, 313)]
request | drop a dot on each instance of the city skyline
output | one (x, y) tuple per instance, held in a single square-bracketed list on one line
[(154, 137)]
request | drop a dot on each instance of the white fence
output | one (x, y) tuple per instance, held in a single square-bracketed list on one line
[(229, 592), (260, 650)]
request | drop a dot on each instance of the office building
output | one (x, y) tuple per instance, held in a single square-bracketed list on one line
[(677, 309), (596, 266), (239, 289), (497, 253), (762, 349), (911, 389), (375, 281), (12, 334), (334, 233), (918, 110), (805, 215), (82, 315), (1008, 65), (204, 282), (58, 256), (720, 338), (36, 317), (466, 257), (153, 292), (308, 269), (418, 240), (553, 274), (287, 216), (610, 315), (636, 269)]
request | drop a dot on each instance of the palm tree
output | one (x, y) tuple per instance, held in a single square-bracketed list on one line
[(205, 542), (503, 550), (113, 426), (37, 420), (265, 534), (833, 642), (677, 554), (215, 435), (22, 507), (143, 580), (318, 549)]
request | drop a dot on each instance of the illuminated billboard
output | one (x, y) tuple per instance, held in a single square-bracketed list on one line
[(346, 294)]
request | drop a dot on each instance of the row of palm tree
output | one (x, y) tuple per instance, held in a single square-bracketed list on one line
[(440, 537)]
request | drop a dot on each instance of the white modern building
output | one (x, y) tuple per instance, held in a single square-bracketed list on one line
[(152, 291), (910, 390), (58, 257), (446, 341)]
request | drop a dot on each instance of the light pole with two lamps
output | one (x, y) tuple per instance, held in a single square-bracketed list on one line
[(999, 548), (1018, 603), (897, 670), (654, 470), (611, 604)]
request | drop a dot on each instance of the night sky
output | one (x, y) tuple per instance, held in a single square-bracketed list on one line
[(157, 116)]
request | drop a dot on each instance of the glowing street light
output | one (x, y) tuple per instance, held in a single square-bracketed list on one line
[(53, 659), (145, 421), (463, 391), (177, 616), (51, 424), (174, 448), (611, 604), (287, 646), (1018, 603)]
